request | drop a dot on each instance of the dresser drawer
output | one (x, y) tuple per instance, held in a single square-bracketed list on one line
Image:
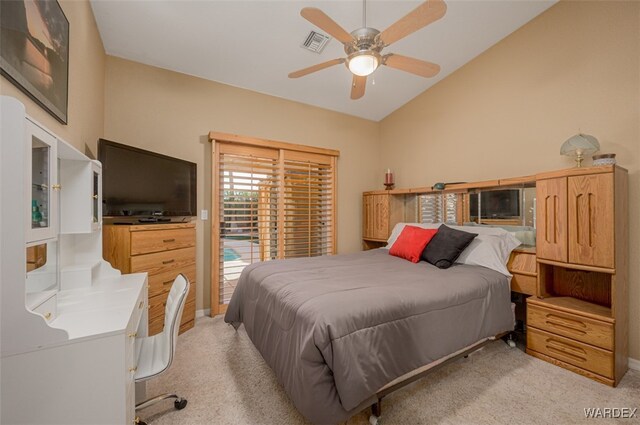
[(161, 283), (524, 284), (572, 326), (158, 303), (156, 325), (524, 262), (584, 356), (162, 262), (157, 307), (145, 242)]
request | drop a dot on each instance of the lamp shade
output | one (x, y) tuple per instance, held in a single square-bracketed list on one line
[(580, 144)]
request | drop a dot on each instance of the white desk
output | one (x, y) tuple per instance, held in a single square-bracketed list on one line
[(89, 377)]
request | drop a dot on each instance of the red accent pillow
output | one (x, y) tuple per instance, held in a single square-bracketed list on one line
[(412, 242)]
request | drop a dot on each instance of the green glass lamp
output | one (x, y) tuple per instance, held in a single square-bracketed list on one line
[(580, 145)]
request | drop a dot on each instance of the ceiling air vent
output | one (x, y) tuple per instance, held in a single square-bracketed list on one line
[(315, 42)]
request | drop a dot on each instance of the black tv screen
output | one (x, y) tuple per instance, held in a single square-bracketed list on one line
[(497, 204), (140, 183)]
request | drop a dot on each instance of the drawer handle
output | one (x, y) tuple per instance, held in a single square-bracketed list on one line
[(567, 321), (136, 420), (47, 316), (169, 240), (168, 261), (133, 335), (567, 350), (133, 369), (566, 328), (167, 282), (141, 304)]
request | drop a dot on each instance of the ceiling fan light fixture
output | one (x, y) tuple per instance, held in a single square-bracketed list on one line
[(363, 63)]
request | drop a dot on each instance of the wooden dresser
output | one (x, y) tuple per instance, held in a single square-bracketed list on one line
[(163, 251), (579, 320)]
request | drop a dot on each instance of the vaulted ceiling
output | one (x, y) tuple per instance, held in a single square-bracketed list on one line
[(255, 44)]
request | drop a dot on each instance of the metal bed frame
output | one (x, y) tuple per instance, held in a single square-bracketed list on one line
[(376, 408)]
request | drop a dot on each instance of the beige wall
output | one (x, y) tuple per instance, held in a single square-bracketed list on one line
[(574, 68), (172, 113), (86, 82)]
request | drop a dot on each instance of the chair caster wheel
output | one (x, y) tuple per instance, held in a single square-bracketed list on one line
[(180, 403), (374, 420), (511, 343)]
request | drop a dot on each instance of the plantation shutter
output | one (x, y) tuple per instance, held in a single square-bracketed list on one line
[(248, 214), (269, 203), (308, 205)]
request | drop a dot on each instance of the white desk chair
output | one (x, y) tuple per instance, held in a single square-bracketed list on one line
[(155, 353)]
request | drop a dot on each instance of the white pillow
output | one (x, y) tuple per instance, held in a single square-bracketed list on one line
[(491, 251), (491, 248)]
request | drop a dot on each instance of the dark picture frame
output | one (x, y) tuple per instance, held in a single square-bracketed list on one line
[(34, 52)]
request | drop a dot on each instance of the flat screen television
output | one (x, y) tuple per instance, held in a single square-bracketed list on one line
[(145, 186), (496, 204)]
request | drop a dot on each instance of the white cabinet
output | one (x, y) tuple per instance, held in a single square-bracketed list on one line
[(68, 325), (42, 184), (80, 193)]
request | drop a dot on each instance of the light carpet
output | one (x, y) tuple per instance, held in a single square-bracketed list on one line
[(227, 382)]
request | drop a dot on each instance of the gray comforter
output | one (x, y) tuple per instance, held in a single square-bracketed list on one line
[(336, 329)]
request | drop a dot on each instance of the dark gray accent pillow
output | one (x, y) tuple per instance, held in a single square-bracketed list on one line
[(446, 246)]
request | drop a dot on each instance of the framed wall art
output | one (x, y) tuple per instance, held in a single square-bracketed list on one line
[(34, 52)]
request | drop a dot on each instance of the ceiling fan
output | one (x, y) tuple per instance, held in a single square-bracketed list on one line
[(364, 45)]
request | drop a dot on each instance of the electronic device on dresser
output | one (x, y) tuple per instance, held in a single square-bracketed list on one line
[(141, 186)]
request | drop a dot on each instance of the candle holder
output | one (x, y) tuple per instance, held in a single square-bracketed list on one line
[(388, 180)]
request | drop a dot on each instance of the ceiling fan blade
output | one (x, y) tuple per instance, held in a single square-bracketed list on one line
[(412, 65), (420, 17), (314, 68), (320, 19), (357, 87)]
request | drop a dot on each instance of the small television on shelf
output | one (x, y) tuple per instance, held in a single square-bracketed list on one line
[(143, 186), (496, 204)]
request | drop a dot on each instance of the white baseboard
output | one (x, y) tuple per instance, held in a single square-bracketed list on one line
[(202, 313)]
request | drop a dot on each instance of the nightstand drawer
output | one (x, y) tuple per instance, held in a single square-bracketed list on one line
[(584, 356), (572, 326), (523, 284), (162, 262), (144, 242)]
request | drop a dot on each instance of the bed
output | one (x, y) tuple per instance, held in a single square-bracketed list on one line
[(337, 329)]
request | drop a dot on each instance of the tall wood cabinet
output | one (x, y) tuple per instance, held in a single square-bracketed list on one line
[(163, 251), (580, 319)]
